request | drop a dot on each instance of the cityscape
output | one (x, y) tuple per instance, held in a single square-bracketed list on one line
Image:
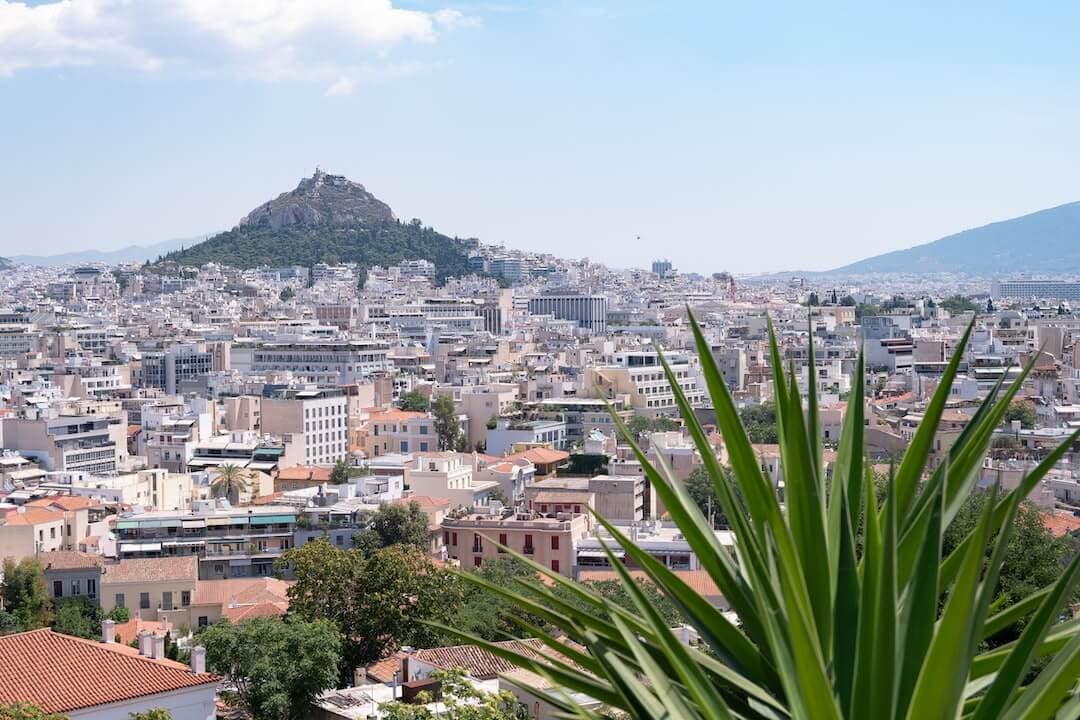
[(340, 463)]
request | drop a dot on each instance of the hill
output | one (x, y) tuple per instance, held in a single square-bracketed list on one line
[(129, 254), (6, 264), (327, 218), (1047, 241)]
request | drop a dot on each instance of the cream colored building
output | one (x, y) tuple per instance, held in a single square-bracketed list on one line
[(448, 475), (27, 531), (151, 588)]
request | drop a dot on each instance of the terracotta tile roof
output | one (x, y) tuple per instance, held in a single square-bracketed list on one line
[(314, 473), (383, 670), (33, 516), (149, 570), (69, 560), (62, 502), (60, 673), (479, 663), (398, 416), (541, 456), (424, 501), (700, 580), (130, 630), (246, 591), (248, 612), (271, 499), (1061, 523)]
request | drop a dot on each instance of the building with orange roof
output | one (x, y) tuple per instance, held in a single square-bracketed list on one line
[(1061, 523), (72, 574), (300, 477), (29, 530), (92, 680), (76, 510), (449, 475), (547, 461)]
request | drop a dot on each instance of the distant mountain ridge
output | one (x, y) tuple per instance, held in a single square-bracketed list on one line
[(1046, 241), (129, 254), (327, 218)]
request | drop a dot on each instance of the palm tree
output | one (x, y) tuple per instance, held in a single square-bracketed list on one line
[(847, 606), (231, 480)]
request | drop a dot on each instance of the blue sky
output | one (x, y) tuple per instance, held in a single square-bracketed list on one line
[(728, 136)]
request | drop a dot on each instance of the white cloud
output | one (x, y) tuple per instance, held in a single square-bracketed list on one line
[(341, 86), (319, 40)]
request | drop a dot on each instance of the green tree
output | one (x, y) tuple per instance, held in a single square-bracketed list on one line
[(287, 294), (1024, 411), (277, 666), (120, 614), (412, 401), (958, 304), (25, 593), (760, 422), (446, 422), (638, 425), (8, 623), (459, 700), (153, 714), (848, 607), (378, 603), (78, 616), (394, 524), (340, 474), (489, 615), (1034, 558), (702, 491), (231, 480), (26, 711), (614, 592)]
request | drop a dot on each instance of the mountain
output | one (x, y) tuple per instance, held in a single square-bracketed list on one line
[(327, 218), (6, 264), (131, 253), (1047, 241)]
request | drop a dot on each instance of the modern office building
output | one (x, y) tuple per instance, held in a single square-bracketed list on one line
[(588, 311), (1036, 289)]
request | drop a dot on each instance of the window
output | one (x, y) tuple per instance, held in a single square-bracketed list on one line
[(554, 542), (446, 537), (203, 621), (218, 568), (477, 544), (423, 447), (76, 587), (166, 600), (453, 537), (52, 533), (144, 600), (555, 566), (528, 545), (404, 446), (91, 587), (477, 560), (119, 601), (423, 429), (58, 588), (502, 541), (185, 598)]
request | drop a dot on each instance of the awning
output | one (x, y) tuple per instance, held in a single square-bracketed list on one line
[(140, 547), (272, 519), (193, 523), (225, 521)]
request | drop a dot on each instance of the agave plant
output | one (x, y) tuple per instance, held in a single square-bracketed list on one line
[(847, 606)]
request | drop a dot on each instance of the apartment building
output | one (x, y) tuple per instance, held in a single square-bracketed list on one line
[(316, 361), (28, 531), (513, 435), (319, 417), (155, 588), (616, 498), (171, 368), (389, 431), (636, 379), (92, 444), (448, 475), (550, 541), (227, 542)]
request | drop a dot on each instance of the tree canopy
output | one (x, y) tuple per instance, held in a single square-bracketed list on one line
[(394, 524), (378, 602), (277, 665), (413, 401), (26, 597), (447, 426)]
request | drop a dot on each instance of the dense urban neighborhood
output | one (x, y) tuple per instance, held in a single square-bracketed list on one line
[(265, 492)]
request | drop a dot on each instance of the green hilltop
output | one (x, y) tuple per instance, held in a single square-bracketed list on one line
[(327, 218)]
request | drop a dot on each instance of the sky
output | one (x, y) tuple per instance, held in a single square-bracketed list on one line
[(734, 136)]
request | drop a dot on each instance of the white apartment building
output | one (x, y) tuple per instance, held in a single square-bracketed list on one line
[(320, 417), (637, 378)]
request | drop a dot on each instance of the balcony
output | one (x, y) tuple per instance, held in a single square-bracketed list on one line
[(528, 550)]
